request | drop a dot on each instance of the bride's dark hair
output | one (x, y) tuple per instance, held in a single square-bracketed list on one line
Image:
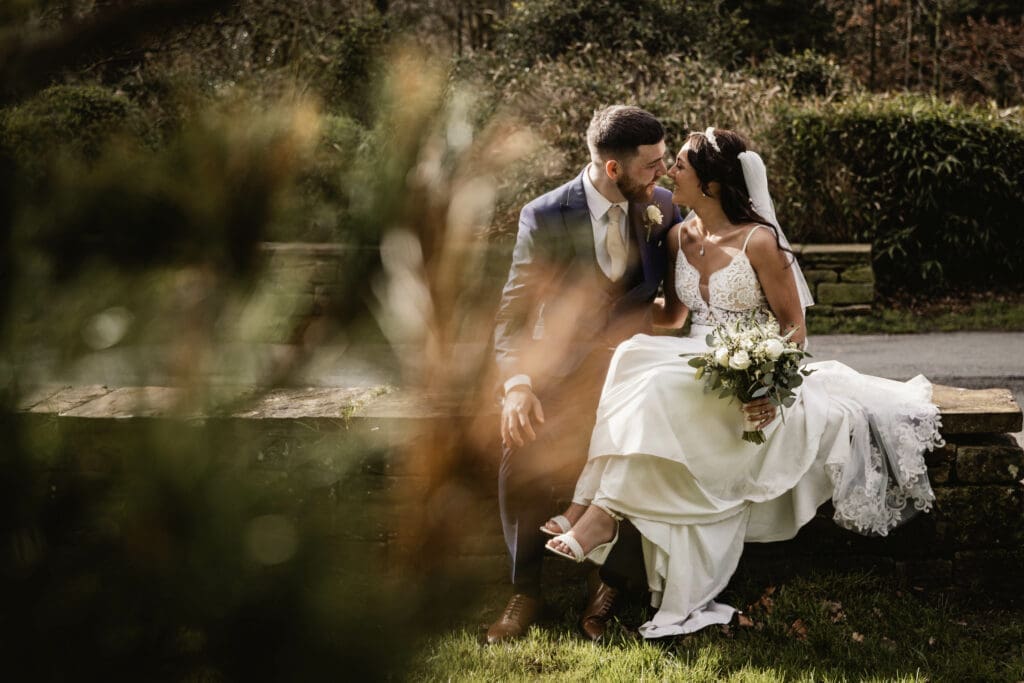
[(723, 166)]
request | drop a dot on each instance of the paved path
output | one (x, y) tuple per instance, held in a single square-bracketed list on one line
[(942, 356)]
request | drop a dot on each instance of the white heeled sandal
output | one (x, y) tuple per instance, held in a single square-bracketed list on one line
[(597, 555), (561, 521)]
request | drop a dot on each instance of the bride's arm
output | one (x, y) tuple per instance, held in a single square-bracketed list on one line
[(669, 311), (772, 267)]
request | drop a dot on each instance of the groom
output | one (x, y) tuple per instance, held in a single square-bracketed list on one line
[(588, 261)]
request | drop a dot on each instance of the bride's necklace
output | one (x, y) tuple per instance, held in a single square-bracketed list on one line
[(704, 234)]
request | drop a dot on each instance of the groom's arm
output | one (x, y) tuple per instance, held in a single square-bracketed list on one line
[(518, 301)]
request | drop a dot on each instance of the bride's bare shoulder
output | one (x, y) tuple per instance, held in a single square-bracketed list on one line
[(763, 245)]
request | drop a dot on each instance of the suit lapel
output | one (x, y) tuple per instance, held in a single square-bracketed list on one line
[(576, 218)]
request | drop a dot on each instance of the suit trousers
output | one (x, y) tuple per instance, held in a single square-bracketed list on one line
[(534, 479)]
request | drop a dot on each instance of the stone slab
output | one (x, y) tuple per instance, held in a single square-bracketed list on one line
[(128, 402), (977, 411), (66, 399), (845, 293), (412, 405), (863, 250), (308, 403), (964, 411), (36, 395), (859, 274), (814, 276), (996, 460)]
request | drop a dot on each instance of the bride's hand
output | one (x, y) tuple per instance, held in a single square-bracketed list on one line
[(760, 411), (516, 427)]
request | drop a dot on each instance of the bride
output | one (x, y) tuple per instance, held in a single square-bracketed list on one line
[(670, 459)]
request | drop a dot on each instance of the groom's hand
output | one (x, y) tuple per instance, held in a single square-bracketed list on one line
[(516, 427), (760, 411)]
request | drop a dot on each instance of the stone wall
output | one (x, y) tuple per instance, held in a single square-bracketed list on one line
[(380, 471), (840, 277), (299, 280)]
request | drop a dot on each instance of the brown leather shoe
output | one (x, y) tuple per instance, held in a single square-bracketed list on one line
[(598, 611), (521, 611)]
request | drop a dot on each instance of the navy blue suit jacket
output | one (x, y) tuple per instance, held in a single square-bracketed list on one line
[(557, 306)]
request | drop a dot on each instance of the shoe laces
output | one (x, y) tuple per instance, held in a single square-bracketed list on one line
[(515, 606), (606, 604)]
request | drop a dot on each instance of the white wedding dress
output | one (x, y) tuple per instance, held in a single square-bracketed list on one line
[(669, 457)]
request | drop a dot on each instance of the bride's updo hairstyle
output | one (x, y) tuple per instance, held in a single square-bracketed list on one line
[(722, 166)]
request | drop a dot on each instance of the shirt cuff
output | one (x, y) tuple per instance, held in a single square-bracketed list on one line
[(516, 381)]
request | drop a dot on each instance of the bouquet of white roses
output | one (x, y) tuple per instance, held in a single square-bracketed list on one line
[(751, 360)]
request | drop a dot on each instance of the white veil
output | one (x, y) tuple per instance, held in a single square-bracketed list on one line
[(756, 177)]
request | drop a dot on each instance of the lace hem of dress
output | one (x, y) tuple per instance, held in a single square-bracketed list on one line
[(886, 481)]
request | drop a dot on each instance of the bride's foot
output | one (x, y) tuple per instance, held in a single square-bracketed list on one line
[(595, 531), (561, 524)]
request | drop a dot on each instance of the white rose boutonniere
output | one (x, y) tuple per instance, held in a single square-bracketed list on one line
[(654, 217)]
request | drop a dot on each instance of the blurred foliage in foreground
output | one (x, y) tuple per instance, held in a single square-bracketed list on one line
[(166, 548)]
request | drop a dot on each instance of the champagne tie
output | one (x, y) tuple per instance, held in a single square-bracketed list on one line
[(614, 243)]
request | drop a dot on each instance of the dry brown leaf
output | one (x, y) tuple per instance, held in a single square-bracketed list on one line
[(835, 610), (743, 621), (764, 602), (857, 637), (798, 630)]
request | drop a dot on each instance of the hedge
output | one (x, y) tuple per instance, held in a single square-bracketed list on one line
[(74, 121), (938, 189)]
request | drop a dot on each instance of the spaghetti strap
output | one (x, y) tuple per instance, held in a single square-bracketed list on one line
[(749, 235), (679, 244)]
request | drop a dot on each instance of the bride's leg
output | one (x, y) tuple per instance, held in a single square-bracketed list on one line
[(595, 526)]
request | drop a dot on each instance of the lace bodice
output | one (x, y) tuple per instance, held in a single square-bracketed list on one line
[(733, 290)]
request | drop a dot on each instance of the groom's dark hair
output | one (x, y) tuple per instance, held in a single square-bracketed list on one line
[(615, 132)]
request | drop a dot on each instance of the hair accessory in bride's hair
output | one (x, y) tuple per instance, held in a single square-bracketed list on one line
[(709, 133)]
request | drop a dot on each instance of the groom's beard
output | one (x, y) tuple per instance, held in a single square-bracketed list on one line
[(634, 191)]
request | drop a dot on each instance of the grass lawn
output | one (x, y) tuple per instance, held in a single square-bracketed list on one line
[(968, 312), (823, 627)]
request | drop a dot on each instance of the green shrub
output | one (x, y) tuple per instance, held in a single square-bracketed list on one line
[(357, 46), (549, 28), (807, 74), (935, 187), (70, 121)]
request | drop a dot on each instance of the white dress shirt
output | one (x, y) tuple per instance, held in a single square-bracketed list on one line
[(597, 206)]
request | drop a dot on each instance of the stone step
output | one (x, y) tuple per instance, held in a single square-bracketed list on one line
[(964, 411)]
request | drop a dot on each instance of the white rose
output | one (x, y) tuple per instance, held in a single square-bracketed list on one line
[(722, 356), (654, 214), (739, 361), (774, 348)]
